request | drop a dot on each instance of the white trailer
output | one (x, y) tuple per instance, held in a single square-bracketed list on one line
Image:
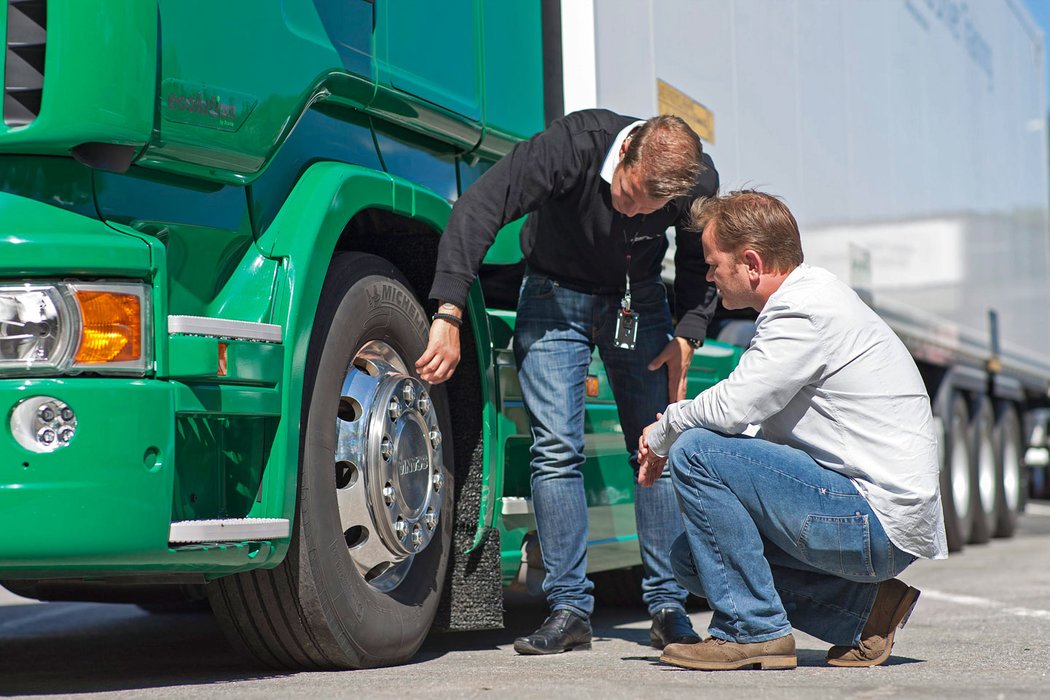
[(909, 137)]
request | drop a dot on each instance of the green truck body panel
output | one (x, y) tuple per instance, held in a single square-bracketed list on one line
[(100, 496), (253, 155), (40, 240), (108, 98)]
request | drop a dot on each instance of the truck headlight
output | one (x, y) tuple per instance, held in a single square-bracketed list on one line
[(71, 327)]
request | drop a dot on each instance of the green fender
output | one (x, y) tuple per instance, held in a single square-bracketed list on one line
[(303, 237)]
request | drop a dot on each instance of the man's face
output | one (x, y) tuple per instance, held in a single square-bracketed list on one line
[(628, 192), (728, 272)]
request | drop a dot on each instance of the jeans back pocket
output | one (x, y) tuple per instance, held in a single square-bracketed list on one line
[(839, 545)]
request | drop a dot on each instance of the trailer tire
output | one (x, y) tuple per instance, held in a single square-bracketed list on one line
[(985, 472), (367, 438), (1011, 472), (957, 476)]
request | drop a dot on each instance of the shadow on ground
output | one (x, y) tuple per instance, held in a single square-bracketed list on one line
[(62, 648), (67, 648), (523, 614)]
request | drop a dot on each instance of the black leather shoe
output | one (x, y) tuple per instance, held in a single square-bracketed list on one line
[(671, 626), (562, 631)]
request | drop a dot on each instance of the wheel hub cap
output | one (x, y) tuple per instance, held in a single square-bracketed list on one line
[(389, 465)]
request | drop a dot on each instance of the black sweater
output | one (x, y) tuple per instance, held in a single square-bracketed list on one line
[(572, 233)]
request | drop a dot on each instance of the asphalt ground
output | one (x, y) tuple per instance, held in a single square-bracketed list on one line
[(980, 630)]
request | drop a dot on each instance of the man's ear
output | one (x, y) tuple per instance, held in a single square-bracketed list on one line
[(755, 266), (624, 145)]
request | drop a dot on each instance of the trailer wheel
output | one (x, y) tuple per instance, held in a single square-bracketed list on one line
[(957, 474), (985, 472), (1010, 477), (363, 576)]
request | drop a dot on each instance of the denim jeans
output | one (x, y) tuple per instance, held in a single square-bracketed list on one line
[(555, 335), (774, 541)]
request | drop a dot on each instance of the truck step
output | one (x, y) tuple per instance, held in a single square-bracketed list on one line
[(518, 512), (228, 530)]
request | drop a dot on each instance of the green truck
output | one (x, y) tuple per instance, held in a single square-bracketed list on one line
[(219, 226)]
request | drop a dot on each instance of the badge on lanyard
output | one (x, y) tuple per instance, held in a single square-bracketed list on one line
[(626, 320)]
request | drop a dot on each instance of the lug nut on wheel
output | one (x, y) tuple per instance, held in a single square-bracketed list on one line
[(401, 527), (388, 494), (408, 392), (435, 437), (386, 449), (430, 519), (417, 538), (423, 405), (395, 409), (438, 481)]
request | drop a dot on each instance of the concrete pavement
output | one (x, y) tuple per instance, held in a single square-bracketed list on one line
[(981, 630)]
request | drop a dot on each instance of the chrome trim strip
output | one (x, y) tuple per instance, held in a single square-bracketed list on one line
[(228, 530), (224, 328)]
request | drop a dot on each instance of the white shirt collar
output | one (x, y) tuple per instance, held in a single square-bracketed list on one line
[(800, 272), (612, 158)]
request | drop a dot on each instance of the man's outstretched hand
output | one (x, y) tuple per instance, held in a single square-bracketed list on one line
[(438, 362)]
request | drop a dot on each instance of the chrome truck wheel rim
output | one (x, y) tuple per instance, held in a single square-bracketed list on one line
[(389, 467), (960, 466), (1012, 479), (986, 475)]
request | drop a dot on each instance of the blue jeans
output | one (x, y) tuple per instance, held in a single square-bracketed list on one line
[(774, 541), (555, 335)]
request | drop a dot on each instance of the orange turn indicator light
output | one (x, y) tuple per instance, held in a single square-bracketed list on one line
[(112, 330), (222, 359)]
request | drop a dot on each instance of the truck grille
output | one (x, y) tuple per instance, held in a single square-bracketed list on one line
[(24, 69)]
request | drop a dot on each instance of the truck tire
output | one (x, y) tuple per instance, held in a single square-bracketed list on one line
[(1011, 474), (622, 588), (957, 477), (363, 576), (985, 472), (619, 588)]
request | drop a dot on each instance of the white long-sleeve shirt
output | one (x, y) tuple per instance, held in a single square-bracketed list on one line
[(826, 375)]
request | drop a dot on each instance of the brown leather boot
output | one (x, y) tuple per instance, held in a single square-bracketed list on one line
[(894, 602), (714, 654)]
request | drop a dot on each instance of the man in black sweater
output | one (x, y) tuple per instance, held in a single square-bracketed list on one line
[(600, 190)]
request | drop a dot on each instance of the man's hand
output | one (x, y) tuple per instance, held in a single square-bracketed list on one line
[(676, 355), (650, 465), (438, 362)]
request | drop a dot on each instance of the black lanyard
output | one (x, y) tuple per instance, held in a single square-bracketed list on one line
[(628, 243)]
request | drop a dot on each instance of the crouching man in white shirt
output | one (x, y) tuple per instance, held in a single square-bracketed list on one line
[(806, 525)]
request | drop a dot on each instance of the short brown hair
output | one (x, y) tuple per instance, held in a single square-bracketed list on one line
[(670, 155), (750, 219)]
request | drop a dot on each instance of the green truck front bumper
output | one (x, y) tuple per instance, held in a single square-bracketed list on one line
[(107, 494), (102, 505)]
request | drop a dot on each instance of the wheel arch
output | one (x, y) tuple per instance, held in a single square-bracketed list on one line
[(336, 208)]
